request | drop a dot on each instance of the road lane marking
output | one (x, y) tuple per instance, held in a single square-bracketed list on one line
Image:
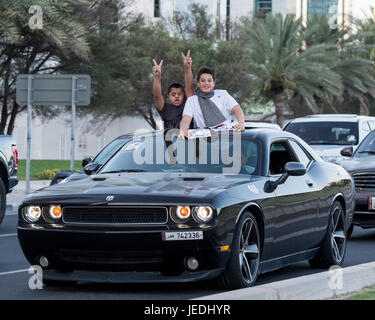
[(12, 272), (8, 235)]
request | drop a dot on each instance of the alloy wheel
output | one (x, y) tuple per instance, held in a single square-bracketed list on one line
[(249, 251), (338, 238)]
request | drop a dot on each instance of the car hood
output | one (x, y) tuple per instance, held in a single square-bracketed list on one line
[(365, 163), (136, 187)]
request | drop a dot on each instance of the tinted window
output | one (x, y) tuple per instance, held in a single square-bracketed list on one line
[(342, 133), (206, 155), (301, 154), (108, 151), (279, 156), (367, 146)]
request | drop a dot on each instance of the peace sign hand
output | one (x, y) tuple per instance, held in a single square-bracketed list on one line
[(187, 61), (156, 69)]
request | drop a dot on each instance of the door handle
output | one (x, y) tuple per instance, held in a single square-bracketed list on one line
[(309, 183)]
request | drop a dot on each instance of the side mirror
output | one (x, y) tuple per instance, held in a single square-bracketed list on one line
[(91, 168), (295, 169), (86, 161), (291, 169), (347, 152)]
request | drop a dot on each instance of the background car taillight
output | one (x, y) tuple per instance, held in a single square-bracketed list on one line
[(15, 153)]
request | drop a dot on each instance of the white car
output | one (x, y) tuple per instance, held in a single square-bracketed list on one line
[(328, 134)]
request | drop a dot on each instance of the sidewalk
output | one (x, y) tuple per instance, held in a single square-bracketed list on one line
[(19, 192)]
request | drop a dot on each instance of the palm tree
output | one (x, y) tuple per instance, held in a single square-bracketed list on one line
[(24, 50), (59, 28), (282, 64), (353, 63)]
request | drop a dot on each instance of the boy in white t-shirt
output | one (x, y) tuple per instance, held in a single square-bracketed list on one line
[(210, 108)]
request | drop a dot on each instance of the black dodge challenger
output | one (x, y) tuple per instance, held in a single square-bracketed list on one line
[(223, 205)]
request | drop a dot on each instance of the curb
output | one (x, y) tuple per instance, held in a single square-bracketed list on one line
[(312, 287)]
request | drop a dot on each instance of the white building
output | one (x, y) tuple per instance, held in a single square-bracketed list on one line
[(52, 139), (234, 9)]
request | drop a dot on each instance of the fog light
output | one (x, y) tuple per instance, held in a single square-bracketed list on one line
[(191, 263), (43, 261)]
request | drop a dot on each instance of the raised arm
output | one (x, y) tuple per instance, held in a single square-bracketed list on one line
[(188, 74), (158, 96), (240, 126)]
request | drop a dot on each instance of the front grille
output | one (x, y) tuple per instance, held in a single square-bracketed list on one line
[(115, 215), (364, 180), (111, 258), (114, 261)]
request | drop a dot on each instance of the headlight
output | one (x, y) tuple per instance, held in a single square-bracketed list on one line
[(32, 213), (180, 213), (55, 212), (203, 214), (183, 212)]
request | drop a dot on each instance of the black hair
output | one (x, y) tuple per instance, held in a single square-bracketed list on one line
[(175, 85), (206, 70)]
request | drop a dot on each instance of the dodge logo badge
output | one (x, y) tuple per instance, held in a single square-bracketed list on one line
[(110, 198)]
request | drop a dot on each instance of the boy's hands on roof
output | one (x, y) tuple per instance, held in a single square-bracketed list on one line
[(156, 69)]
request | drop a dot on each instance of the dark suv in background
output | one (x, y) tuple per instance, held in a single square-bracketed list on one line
[(361, 166)]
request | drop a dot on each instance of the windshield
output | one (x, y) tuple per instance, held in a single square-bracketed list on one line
[(367, 146), (341, 133), (223, 154), (103, 156)]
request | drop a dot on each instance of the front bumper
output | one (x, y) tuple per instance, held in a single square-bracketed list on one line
[(122, 255), (130, 277)]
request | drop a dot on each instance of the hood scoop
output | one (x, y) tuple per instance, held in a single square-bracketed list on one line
[(99, 179), (194, 179)]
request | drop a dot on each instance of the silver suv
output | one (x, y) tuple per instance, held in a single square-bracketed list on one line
[(328, 134)]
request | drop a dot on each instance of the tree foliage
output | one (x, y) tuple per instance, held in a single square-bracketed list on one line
[(25, 50), (300, 68)]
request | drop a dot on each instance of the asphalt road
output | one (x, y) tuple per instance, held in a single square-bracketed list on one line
[(14, 276)]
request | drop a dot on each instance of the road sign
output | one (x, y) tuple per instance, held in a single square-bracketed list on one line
[(47, 90), (50, 90)]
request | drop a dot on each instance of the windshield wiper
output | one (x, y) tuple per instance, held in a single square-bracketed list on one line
[(125, 170)]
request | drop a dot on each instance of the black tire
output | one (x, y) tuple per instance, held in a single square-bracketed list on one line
[(239, 274), (333, 248), (3, 200), (349, 231)]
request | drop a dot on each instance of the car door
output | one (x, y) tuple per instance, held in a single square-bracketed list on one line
[(295, 219)]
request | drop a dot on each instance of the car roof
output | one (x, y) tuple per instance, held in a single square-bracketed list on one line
[(265, 133), (259, 124)]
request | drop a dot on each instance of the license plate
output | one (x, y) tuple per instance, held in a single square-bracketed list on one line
[(371, 203), (186, 235)]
